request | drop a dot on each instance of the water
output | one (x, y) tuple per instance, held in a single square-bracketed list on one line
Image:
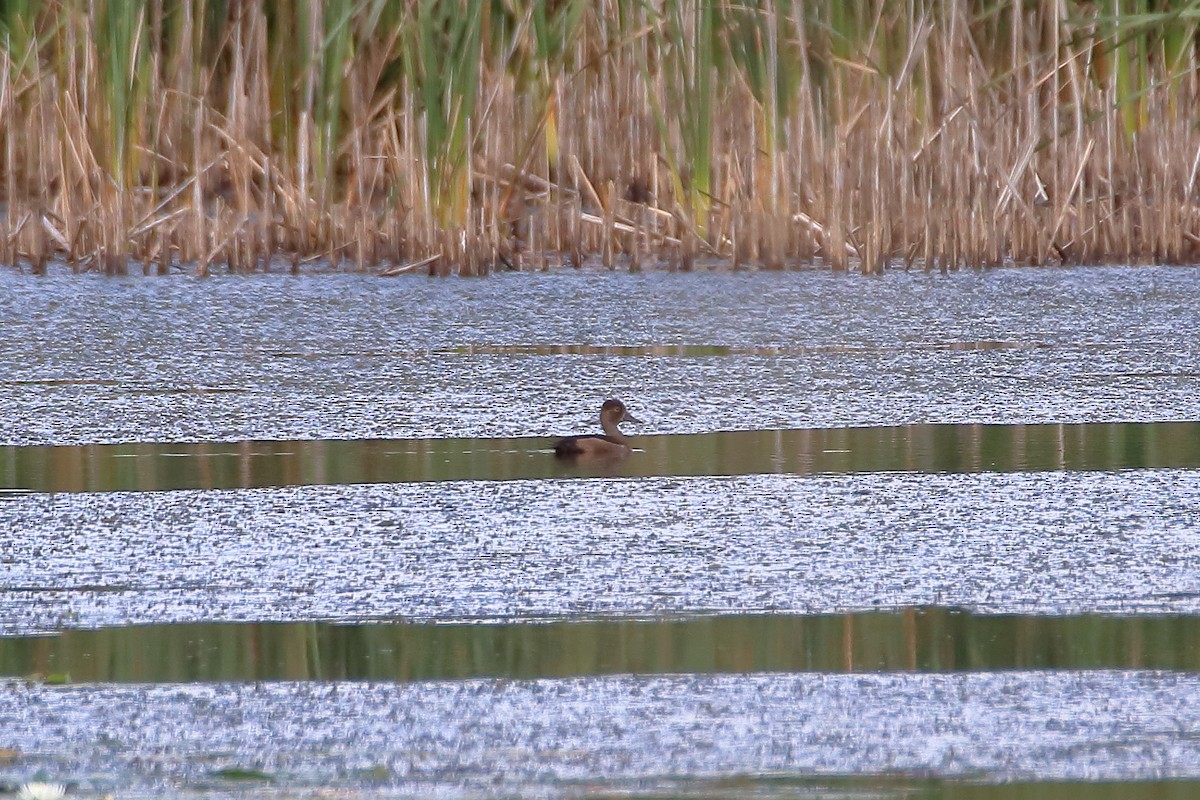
[(650, 735), (1030, 543), (912, 448), (930, 640), (89, 360), (917, 536)]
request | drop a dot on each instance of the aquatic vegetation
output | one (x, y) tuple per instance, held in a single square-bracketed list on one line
[(468, 137)]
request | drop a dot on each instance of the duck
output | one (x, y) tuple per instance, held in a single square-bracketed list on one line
[(611, 444)]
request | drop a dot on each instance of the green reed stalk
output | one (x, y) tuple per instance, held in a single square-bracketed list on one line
[(1134, 36), (554, 34), (442, 56), (332, 61), (121, 28), (18, 22), (686, 48), (1130, 58), (770, 64), (288, 58)]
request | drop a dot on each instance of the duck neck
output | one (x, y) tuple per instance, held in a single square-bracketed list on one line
[(612, 431)]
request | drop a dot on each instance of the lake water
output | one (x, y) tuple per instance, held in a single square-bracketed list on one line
[(910, 536)]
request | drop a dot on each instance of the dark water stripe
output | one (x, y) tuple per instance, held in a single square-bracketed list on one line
[(912, 640), (910, 789), (911, 448), (669, 350)]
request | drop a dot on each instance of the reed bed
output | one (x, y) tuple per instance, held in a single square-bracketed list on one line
[(456, 136)]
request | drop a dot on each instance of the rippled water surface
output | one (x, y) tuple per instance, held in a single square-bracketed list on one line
[(595, 737), (921, 536), (1048, 543), (89, 359)]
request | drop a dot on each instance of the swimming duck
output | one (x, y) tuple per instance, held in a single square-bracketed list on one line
[(612, 444)]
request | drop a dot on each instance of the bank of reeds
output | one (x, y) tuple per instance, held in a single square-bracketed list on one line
[(450, 135)]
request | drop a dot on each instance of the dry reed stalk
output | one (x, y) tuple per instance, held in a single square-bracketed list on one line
[(877, 132)]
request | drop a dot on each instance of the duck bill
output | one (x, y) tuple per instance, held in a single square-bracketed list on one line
[(631, 418)]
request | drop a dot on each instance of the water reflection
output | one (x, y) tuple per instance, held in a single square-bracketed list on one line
[(690, 350), (914, 640), (909, 448), (1111, 790)]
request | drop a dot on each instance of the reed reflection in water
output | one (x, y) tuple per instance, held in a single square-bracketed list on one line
[(912, 639), (910, 448)]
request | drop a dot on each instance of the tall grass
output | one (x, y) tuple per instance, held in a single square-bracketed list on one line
[(464, 136)]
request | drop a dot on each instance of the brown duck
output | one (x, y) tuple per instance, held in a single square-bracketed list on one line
[(611, 444)]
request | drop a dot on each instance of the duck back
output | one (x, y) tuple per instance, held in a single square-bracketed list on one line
[(592, 444)]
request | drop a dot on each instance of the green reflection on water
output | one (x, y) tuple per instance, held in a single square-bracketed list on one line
[(1150, 790), (919, 448), (903, 788), (920, 639)]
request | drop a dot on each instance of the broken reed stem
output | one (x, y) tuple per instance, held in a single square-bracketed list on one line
[(858, 135)]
